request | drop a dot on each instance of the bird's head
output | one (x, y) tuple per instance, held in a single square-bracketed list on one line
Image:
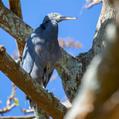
[(58, 17)]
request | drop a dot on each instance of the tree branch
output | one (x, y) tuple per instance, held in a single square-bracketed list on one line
[(34, 91), (9, 103), (70, 70), (7, 108), (15, 7)]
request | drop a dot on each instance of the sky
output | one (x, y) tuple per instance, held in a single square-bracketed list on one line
[(81, 30)]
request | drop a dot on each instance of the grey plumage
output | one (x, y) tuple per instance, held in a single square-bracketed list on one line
[(42, 49)]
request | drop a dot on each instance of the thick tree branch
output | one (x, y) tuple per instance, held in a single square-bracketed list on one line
[(41, 97), (70, 70), (67, 64)]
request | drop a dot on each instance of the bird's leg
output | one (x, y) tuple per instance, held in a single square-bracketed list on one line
[(92, 3)]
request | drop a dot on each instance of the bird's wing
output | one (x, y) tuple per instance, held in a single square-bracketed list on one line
[(28, 56)]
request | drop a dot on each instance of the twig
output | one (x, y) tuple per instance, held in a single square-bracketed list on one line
[(9, 104), (92, 3), (12, 96), (7, 108), (27, 110)]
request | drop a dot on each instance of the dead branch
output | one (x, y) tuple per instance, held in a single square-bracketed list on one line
[(12, 96), (7, 108), (9, 104), (92, 3)]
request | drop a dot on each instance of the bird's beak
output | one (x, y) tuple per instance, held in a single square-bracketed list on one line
[(68, 18)]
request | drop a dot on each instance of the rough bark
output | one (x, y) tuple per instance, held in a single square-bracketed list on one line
[(34, 91)]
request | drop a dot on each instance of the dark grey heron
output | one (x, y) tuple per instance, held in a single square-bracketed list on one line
[(42, 50)]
